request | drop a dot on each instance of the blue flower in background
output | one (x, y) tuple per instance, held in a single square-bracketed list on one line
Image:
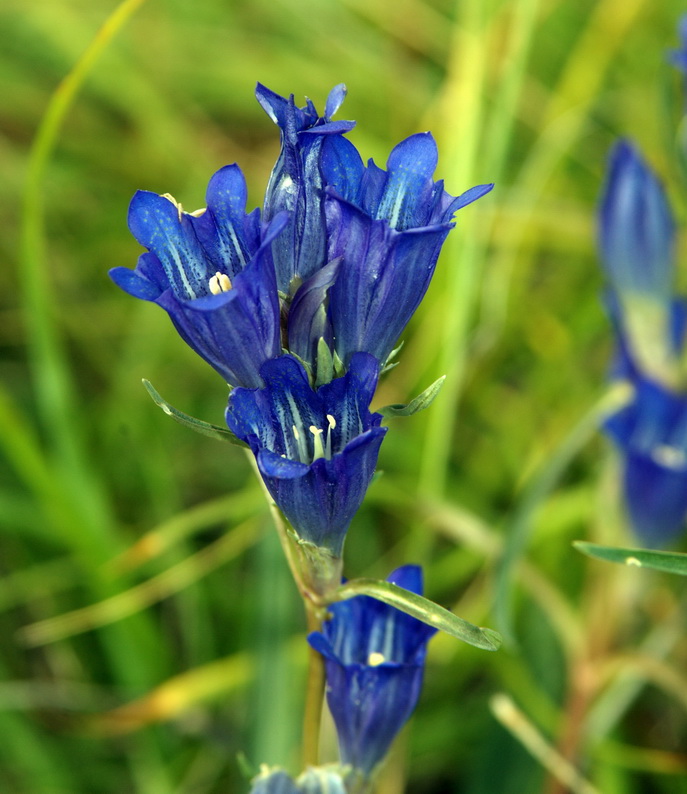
[(679, 57), (374, 657), (212, 271), (387, 228), (296, 183), (316, 449), (637, 240), (651, 433), (636, 230), (316, 780)]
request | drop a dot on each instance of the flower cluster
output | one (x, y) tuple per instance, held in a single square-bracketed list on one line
[(637, 240), (299, 308)]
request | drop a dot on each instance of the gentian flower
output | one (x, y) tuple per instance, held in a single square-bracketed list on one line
[(679, 57), (651, 434), (212, 271), (316, 449), (636, 238), (316, 780), (387, 227), (636, 230), (296, 183), (374, 659)]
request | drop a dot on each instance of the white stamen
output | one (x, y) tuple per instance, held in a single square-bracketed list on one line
[(375, 659), (219, 283), (318, 449)]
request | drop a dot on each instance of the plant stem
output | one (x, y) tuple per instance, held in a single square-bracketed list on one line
[(312, 716)]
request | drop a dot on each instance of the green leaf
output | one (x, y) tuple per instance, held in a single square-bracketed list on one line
[(668, 561), (421, 402), (423, 609), (204, 428)]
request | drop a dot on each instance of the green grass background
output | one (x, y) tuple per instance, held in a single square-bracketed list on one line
[(150, 629)]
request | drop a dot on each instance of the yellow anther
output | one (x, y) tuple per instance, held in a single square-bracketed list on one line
[(220, 282), (332, 421), (296, 434), (375, 659), (198, 213)]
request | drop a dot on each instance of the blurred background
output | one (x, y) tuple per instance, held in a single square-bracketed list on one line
[(152, 638)]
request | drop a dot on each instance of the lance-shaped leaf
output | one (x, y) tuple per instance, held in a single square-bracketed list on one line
[(423, 609), (667, 561), (204, 428), (416, 405)]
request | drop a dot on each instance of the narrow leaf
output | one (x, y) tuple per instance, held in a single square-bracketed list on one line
[(204, 428), (421, 402), (668, 561), (423, 609)]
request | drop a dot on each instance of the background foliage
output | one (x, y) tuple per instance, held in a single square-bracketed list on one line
[(150, 629)]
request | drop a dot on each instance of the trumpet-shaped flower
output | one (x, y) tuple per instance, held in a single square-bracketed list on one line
[(636, 230), (212, 271), (651, 434), (679, 57), (387, 228), (316, 449), (374, 658), (636, 239), (296, 183)]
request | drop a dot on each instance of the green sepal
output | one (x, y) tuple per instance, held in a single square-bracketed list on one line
[(325, 363), (666, 561), (390, 363), (421, 608), (421, 402), (204, 428)]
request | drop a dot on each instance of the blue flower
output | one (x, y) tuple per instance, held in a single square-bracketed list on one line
[(651, 434), (296, 183), (374, 658), (679, 57), (636, 230), (637, 238), (315, 780), (212, 271), (316, 449), (387, 227)]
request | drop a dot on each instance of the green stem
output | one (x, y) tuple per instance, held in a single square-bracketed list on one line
[(312, 717)]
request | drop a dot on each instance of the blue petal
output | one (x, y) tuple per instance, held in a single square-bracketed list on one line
[(159, 225), (383, 277), (342, 167), (651, 434), (411, 165), (636, 232), (220, 229), (308, 320), (134, 283), (334, 100)]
